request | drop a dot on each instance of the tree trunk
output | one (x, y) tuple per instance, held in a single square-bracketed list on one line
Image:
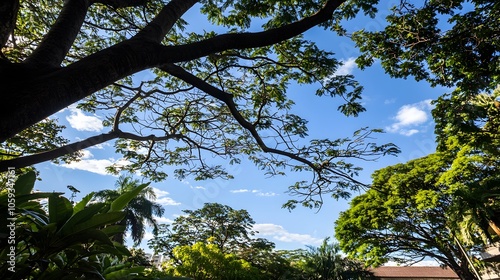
[(31, 94)]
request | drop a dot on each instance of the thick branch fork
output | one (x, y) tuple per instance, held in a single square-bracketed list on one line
[(55, 88)]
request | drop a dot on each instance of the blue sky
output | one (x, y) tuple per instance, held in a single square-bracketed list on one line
[(400, 107)]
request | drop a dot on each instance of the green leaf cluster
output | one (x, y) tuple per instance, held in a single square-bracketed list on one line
[(447, 43), (59, 240)]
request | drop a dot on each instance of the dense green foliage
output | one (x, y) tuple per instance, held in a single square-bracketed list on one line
[(216, 242), (473, 178), (424, 207), (447, 43), (205, 260), (403, 218), (59, 240)]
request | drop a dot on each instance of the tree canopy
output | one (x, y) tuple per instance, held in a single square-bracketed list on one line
[(452, 44), (205, 260), (403, 218), (229, 229), (447, 43), (171, 92)]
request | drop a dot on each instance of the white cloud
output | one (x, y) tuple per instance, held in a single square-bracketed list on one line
[(163, 220), (410, 117), (256, 192), (185, 182), (347, 67), (240, 191), (279, 233), (160, 193), (88, 163), (267, 194), (409, 132), (163, 199), (100, 146), (81, 122), (94, 165), (86, 154), (147, 236), (167, 201)]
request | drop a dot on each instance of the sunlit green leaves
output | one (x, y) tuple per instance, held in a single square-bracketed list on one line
[(443, 42), (204, 260), (403, 212)]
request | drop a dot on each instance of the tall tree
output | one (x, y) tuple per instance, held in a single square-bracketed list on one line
[(404, 218), (139, 212), (170, 93), (471, 140), (205, 260), (64, 46), (230, 229)]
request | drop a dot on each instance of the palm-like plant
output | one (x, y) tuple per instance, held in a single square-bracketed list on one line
[(140, 211), (327, 262)]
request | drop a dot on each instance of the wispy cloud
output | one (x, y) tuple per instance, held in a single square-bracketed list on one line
[(163, 198), (410, 118), (266, 194), (163, 220), (279, 233), (88, 163), (390, 101), (240, 191), (255, 192), (347, 67), (81, 122)]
